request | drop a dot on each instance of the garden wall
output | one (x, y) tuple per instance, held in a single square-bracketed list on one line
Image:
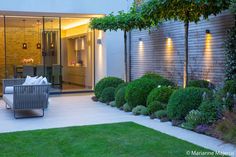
[(161, 49)]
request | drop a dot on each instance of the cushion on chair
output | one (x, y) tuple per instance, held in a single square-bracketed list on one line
[(9, 90), (8, 98), (29, 80), (44, 81), (37, 81)]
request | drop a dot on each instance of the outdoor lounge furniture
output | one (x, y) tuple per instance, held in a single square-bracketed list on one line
[(25, 97)]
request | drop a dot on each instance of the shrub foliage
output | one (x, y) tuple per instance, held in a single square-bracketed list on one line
[(161, 94), (106, 82), (182, 101), (120, 97), (138, 90), (108, 95)]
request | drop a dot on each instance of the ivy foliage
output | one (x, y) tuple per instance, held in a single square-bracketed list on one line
[(230, 54), (233, 6)]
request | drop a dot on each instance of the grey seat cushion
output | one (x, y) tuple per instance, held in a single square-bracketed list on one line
[(8, 98), (9, 90)]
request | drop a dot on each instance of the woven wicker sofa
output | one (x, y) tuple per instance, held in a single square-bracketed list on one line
[(25, 97)]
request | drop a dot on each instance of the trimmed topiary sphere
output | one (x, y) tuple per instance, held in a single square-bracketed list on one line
[(182, 101), (158, 79), (127, 108), (120, 97), (200, 84), (108, 95), (120, 86), (140, 110), (138, 90), (161, 94), (106, 82), (155, 106)]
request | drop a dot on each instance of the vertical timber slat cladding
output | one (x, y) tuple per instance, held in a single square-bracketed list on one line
[(161, 49)]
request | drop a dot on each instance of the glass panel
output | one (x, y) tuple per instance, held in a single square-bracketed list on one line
[(2, 53), (51, 51), (23, 50), (77, 54)]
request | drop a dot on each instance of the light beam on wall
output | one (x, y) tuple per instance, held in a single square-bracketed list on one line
[(208, 55)]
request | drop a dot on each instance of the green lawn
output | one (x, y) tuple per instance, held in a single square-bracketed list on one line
[(109, 140)]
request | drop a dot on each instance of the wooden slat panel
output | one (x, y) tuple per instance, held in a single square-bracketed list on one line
[(206, 54)]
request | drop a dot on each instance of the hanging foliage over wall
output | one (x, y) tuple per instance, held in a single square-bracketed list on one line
[(233, 6), (230, 54), (123, 21)]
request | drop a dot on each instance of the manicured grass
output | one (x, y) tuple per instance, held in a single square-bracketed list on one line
[(109, 140)]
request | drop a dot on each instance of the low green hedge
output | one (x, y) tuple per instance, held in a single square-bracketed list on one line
[(106, 82), (182, 101), (138, 90)]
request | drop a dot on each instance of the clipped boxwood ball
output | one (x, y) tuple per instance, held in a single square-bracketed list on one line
[(155, 106), (200, 84), (108, 95), (120, 86), (120, 97), (158, 79), (138, 90), (182, 101), (161, 94), (106, 82)]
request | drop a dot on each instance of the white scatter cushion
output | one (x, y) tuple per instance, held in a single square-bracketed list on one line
[(38, 80), (44, 81), (29, 80), (9, 90)]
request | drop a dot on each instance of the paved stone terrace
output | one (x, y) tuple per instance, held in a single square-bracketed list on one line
[(78, 110)]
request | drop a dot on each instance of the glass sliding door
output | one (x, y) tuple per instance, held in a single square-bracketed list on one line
[(59, 48), (2, 52), (77, 54), (51, 51)]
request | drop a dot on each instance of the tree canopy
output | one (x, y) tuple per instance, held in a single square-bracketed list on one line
[(182, 10), (123, 21)]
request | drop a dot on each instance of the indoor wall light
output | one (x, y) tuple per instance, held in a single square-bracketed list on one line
[(24, 45), (140, 39), (99, 41)]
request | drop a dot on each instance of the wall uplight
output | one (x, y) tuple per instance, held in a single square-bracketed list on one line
[(208, 31)]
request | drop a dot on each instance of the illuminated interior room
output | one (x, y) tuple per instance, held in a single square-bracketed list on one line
[(59, 48)]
